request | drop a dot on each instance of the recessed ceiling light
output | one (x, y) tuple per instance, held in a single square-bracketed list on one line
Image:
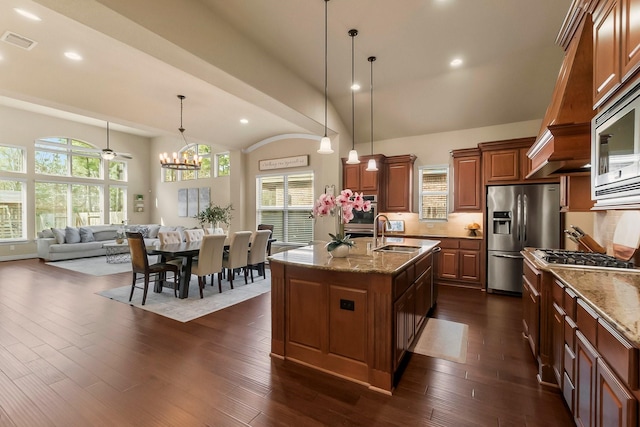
[(456, 62), (355, 86), (244, 121), (74, 56), (26, 14)]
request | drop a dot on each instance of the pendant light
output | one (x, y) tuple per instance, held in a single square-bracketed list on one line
[(325, 142), (353, 154), (189, 160), (372, 166)]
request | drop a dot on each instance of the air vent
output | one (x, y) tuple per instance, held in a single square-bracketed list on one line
[(18, 40)]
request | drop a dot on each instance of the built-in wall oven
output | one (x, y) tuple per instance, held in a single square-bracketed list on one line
[(362, 223)]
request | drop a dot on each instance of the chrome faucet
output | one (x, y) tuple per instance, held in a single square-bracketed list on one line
[(375, 229)]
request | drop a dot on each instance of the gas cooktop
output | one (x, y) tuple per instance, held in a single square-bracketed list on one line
[(580, 259)]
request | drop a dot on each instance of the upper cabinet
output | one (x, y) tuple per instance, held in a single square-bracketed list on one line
[(467, 184), (398, 195), (357, 178), (506, 162), (616, 46)]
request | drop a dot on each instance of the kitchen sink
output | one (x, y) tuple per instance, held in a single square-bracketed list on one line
[(397, 248)]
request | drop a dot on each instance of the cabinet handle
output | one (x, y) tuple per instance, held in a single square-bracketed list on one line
[(508, 256)]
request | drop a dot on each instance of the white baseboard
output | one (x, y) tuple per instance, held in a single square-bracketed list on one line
[(18, 257)]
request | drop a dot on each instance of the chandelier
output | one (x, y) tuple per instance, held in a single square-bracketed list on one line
[(189, 159)]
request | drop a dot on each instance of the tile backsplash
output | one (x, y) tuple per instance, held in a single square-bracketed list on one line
[(455, 226)]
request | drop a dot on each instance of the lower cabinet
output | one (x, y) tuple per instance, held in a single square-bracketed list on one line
[(412, 306), (460, 261)]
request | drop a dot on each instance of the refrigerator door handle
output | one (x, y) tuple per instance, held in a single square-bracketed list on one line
[(524, 217), (519, 215), (507, 256)]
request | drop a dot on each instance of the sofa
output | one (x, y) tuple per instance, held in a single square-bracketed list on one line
[(57, 244)]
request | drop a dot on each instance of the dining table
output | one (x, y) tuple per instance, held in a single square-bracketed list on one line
[(185, 250)]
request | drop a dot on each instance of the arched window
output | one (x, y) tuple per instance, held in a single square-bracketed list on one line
[(204, 153)]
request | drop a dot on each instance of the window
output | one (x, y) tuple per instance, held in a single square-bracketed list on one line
[(13, 210), (285, 201), (222, 164), (12, 159), (204, 153), (117, 204), (59, 205), (434, 193), (67, 157), (117, 170)]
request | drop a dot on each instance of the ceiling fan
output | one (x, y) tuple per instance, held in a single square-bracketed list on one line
[(108, 153)]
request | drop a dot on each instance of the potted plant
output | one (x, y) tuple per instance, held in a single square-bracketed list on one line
[(214, 215)]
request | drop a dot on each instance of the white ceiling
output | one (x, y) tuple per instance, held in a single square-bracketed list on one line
[(264, 60)]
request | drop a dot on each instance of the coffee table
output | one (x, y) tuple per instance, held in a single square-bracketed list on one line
[(117, 252)]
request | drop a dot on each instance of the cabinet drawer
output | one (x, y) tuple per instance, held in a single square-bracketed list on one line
[(570, 333), (558, 292), (400, 284), (473, 245), (587, 321), (449, 243), (532, 275), (411, 273), (569, 363), (568, 391), (569, 303), (620, 355), (423, 264)]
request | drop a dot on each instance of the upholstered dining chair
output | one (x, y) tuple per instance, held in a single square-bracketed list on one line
[(237, 256), (193, 235), (209, 260), (169, 237), (140, 265), (258, 252), (270, 228)]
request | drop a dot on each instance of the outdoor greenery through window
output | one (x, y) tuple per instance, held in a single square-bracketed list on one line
[(13, 208), (434, 193), (12, 159), (222, 164), (285, 201), (71, 183)]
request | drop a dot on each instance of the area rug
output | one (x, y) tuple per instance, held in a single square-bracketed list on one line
[(184, 310), (95, 266), (443, 339)]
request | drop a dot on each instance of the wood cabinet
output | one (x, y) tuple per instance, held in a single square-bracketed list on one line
[(615, 405), (460, 262), (586, 355), (467, 184), (506, 162), (398, 194), (531, 312), (357, 178), (575, 193), (616, 46)]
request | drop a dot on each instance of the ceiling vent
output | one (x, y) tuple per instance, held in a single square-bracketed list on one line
[(18, 40)]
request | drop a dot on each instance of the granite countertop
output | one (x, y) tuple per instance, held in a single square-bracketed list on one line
[(613, 293), (360, 259)]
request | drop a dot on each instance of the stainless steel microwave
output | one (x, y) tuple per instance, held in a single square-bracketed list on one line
[(615, 151)]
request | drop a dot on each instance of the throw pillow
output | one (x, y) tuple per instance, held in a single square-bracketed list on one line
[(86, 235), (72, 235), (153, 231), (58, 233), (143, 230)]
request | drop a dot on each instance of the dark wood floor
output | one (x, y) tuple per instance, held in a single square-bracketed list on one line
[(69, 357)]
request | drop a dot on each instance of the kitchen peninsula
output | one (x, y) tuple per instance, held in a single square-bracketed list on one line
[(353, 317)]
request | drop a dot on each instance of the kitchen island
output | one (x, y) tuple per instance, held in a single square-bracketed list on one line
[(353, 317)]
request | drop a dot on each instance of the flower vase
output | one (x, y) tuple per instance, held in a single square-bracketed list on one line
[(340, 252)]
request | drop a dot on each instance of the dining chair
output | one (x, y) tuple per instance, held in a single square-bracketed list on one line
[(193, 235), (140, 265), (270, 228), (258, 252), (209, 260), (236, 257), (169, 237)]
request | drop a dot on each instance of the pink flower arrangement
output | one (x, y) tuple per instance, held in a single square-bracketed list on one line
[(346, 201)]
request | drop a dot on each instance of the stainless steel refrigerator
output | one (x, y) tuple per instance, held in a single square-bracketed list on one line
[(518, 216)]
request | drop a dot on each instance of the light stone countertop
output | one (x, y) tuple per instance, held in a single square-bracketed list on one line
[(613, 293), (359, 259)]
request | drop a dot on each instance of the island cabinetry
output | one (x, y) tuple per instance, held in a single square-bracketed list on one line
[(398, 194), (357, 178), (357, 324), (460, 262), (467, 184)]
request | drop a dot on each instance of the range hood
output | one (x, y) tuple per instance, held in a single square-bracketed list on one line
[(563, 145)]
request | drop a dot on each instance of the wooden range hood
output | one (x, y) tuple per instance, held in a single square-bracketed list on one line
[(563, 146)]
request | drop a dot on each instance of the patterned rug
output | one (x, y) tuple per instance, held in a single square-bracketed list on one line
[(95, 266), (443, 339)]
